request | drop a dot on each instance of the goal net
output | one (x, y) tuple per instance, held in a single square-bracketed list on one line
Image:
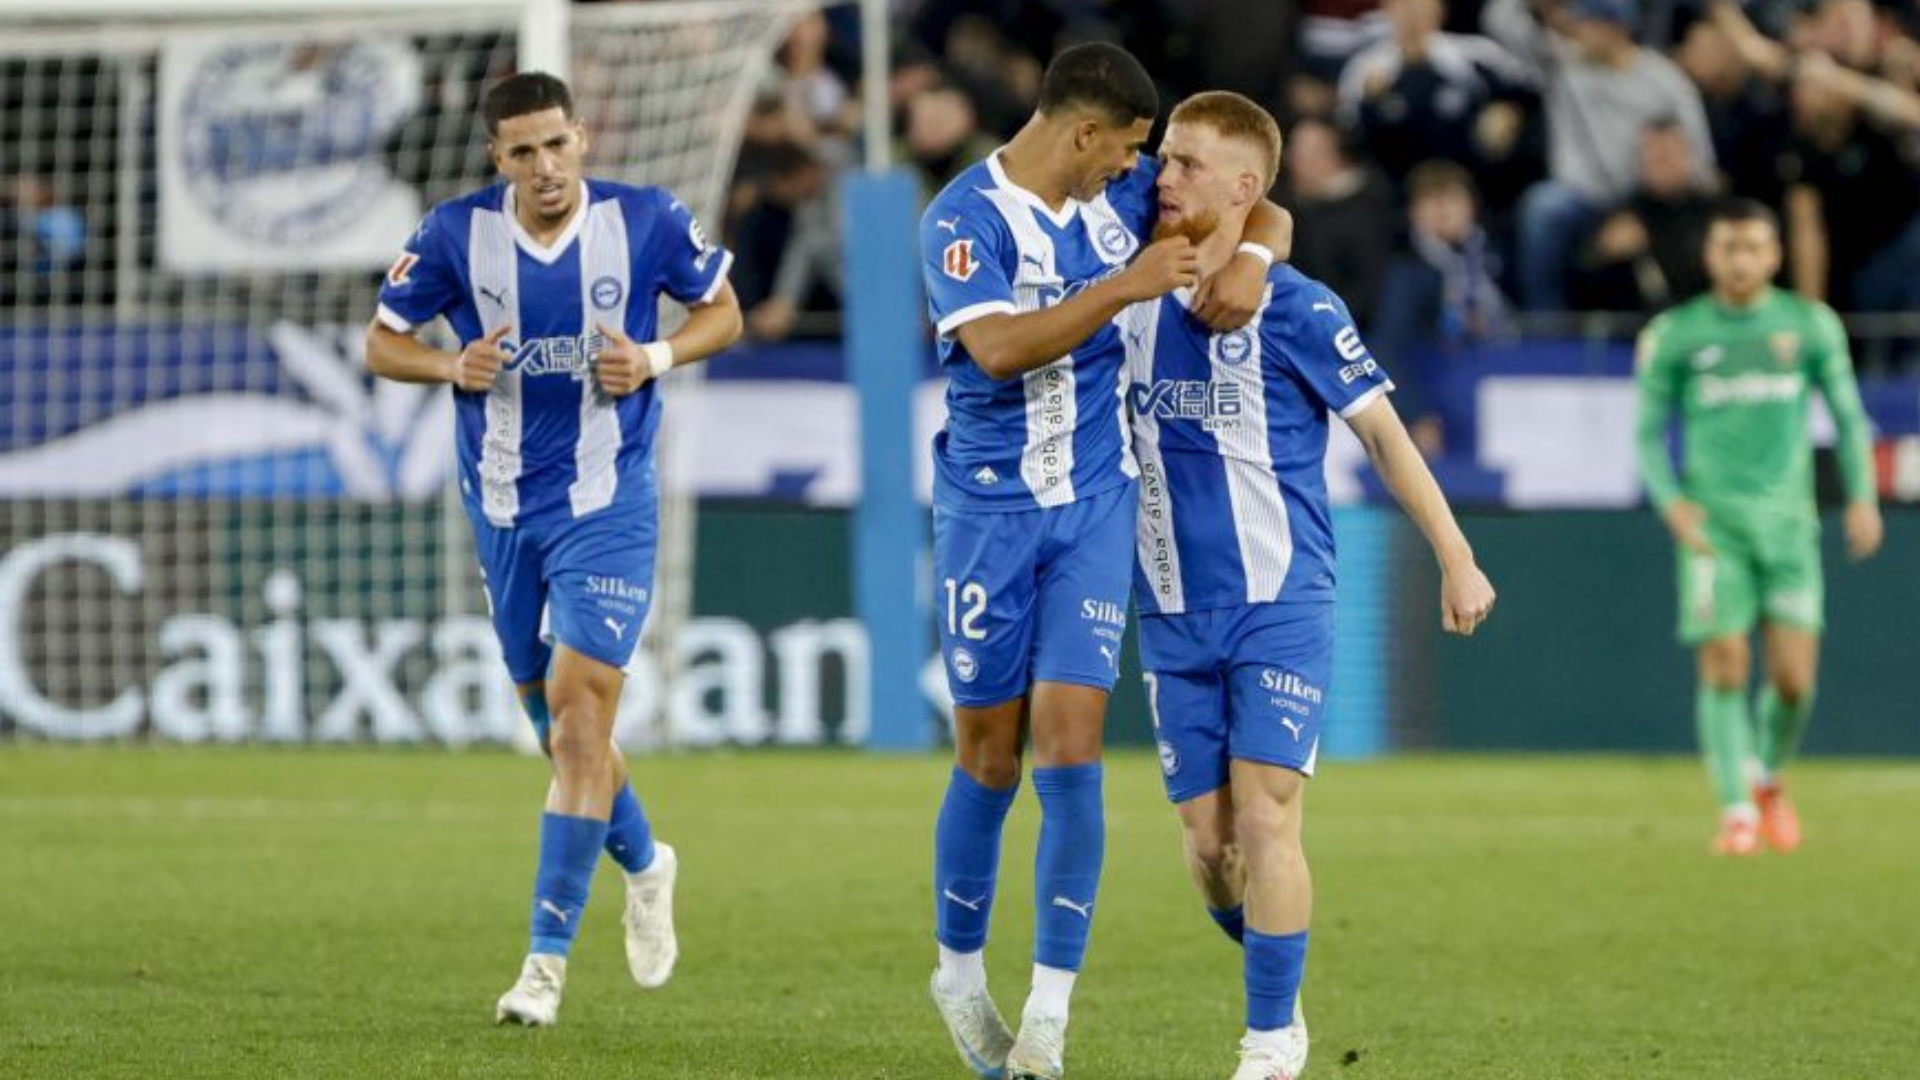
[(215, 525)]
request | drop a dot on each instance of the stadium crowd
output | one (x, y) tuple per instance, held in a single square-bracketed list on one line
[(1456, 170)]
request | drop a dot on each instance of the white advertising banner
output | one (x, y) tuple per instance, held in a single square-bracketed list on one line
[(271, 152)]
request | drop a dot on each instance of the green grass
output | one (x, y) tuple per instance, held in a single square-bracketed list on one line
[(252, 913)]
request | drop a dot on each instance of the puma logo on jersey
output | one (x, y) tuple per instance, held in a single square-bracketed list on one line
[(499, 298), (1708, 357), (1293, 726), (952, 225), (619, 628), (1324, 305)]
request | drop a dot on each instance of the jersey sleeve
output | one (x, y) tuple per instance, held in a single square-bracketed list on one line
[(1320, 341), (423, 283), (1133, 197), (1833, 370), (692, 267), (961, 259), (1657, 371)]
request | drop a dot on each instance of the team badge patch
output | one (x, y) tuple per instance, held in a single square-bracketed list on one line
[(1113, 238), (957, 260), (1786, 347), (1236, 346), (607, 292), (400, 272), (965, 667)]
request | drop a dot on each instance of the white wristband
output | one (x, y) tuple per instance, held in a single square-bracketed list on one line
[(1259, 251), (659, 358)]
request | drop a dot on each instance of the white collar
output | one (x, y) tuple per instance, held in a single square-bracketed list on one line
[(547, 253), (1061, 218)]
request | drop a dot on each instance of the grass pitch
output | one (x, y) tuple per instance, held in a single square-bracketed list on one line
[(252, 913)]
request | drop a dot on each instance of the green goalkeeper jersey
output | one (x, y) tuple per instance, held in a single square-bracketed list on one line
[(1740, 377)]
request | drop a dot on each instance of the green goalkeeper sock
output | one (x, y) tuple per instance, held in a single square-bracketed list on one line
[(1781, 727), (1726, 741)]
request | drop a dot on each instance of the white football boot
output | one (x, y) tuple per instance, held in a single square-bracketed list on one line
[(535, 999), (1039, 1053), (1279, 1055), (978, 1032), (651, 945)]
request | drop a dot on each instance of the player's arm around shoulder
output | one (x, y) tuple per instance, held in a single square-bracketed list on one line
[(1466, 595), (1231, 298)]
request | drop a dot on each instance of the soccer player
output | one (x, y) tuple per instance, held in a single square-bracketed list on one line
[(551, 280), (1738, 361), (1235, 559), (1028, 256)]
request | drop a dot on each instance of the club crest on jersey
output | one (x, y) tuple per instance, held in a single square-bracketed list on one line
[(957, 260), (1169, 758), (1113, 238), (401, 271), (965, 667), (1236, 346), (607, 292), (1785, 345)]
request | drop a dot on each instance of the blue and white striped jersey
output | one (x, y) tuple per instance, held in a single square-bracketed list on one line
[(1231, 435), (546, 442), (1058, 433)]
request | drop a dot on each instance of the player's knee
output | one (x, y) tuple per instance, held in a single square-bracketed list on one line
[(1725, 665), (1268, 824), (1795, 688), (1212, 851), (578, 746), (991, 766)]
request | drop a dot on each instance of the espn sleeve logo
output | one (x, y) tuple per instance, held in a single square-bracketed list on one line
[(957, 260)]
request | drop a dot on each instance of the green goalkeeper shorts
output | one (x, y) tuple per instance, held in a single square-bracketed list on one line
[(1759, 570)]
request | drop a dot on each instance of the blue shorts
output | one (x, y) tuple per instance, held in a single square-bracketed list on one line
[(1026, 596), (1243, 682), (592, 577)]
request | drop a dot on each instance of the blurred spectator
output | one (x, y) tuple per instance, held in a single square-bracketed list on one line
[(1423, 94), (1333, 32), (43, 242), (1000, 79), (1601, 88), (1342, 215), (1852, 199), (818, 99), (788, 257), (1748, 116), (1646, 255), (942, 136), (1441, 294)]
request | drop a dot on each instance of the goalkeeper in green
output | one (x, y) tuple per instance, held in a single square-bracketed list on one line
[(1738, 363)]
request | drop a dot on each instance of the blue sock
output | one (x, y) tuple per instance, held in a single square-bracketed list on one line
[(535, 702), (1066, 871), (966, 860), (569, 848), (1274, 965), (1232, 921), (629, 836)]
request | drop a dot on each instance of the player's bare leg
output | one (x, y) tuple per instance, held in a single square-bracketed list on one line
[(1725, 667), (1786, 701), (650, 867), (986, 749), (1068, 724), (1267, 805), (1214, 860), (583, 694)]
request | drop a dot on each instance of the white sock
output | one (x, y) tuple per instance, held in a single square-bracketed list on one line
[(961, 972), (1052, 988), (1274, 1038)]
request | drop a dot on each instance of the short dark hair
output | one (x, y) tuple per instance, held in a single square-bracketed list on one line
[(521, 94), (1739, 211), (1438, 177), (1101, 76)]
